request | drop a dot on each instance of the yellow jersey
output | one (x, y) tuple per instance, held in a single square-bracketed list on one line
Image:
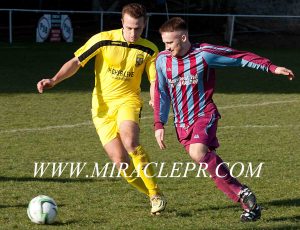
[(119, 65)]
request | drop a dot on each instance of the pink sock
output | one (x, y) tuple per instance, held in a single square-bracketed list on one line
[(224, 181)]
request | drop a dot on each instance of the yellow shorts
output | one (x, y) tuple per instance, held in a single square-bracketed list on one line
[(108, 119)]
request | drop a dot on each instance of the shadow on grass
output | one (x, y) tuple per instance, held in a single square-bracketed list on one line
[(286, 218), (14, 206), (56, 180), (69, 222), (293, 225), (285, 202), (218, 208), (21, 206), (183, 213), (191, 212), (283, 227)]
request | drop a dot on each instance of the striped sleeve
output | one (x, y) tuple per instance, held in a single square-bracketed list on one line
[(162, 98), (221, 56)]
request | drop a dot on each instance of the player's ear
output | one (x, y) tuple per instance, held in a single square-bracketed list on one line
[(184, 37)]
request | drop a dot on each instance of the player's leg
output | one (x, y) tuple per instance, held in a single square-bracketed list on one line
[(196, 140), (129, 132), (118, 154), (200, 144), (225, 182), (128, 117), (107, 130), (200, 154)]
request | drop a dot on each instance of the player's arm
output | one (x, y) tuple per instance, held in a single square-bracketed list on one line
[(220, 56), (158, 123), (151, 73), (162, 103), (152, 86), (66, 71)]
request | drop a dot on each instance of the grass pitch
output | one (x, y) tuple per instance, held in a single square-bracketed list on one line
[(260, 123)]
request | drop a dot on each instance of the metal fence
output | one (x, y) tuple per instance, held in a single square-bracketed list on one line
[(18, 22)]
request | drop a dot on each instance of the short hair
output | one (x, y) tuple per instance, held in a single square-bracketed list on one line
[(173, 24), (135, 10)]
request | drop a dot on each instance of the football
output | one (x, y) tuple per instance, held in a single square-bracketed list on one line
[(42, 210)]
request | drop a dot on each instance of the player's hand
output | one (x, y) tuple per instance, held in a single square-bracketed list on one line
[(285, 71), (44, 84), (151, 103), (159, 135)]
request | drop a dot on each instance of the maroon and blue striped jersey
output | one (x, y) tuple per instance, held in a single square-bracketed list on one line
[(188, 82)]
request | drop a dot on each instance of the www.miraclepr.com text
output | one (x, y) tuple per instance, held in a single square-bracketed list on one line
[(162, 169)]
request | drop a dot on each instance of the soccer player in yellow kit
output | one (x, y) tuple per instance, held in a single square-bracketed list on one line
[(121, 57)]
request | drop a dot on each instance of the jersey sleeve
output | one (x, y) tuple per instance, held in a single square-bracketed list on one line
[(162, 98), (221, 56), (90, 49), (150, 65)]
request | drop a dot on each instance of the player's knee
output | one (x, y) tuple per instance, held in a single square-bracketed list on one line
[(197, 151), (121, 161), (198, 156), (122, 164), (129, 133), (130, 143)]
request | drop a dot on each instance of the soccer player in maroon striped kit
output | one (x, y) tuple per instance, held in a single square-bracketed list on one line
[(186, 80)]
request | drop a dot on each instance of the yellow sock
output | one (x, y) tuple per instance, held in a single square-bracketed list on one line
[(140, 160), (133, 180)]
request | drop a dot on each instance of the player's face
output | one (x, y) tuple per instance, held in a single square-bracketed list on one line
[(132, 27), (175, 42)]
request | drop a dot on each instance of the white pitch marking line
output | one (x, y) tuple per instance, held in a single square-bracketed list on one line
[(47, 128), (258, 126), (150, 117), (259, 104), (90, 123)]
